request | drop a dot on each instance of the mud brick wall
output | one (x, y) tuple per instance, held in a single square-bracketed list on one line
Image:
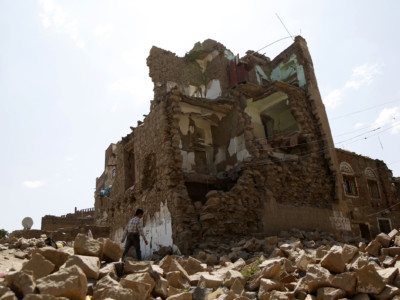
[(53, 223), (67, 234), (363, 207)]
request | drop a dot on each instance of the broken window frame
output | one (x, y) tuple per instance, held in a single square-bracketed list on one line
[(384, 219), (349, 181), (350, 186), (373, 189), (372, 183)]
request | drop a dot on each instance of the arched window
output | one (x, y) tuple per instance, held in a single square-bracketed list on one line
[(369, 173), (372, 182), (349, 181), (113, 173)]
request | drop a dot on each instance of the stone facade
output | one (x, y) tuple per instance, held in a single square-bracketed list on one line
[(232, 146), (84, 217), (370, 192)]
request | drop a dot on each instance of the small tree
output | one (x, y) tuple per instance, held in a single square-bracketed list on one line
[(3, 233)]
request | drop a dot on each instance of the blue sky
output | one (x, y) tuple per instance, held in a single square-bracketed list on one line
[(73, 79)]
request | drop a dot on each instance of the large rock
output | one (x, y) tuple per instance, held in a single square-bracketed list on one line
[(68, 282), (195, 278), (393, 251), (348, 252), (373, 248), (7, 294), (345, 281), (358, 261), (56, 256), (90, 265), (270, 269), (169, 264), (210, 281), (140, 277), (316, 277), (83, 245), (104, 284), (238, 287), (39, 266), (161, 287), (267, 285), (119, 293), (112, 251), (322, 251), (181, 296), (176, 280), (304, 260), (333, 260), (384, 239), (388, 274), (20, 283), (132, 266), (361, 296), (141, 290), (231, 276), (393, 233), (43, 297), (278, 295), (193, 266), (108, 269), (20, 254), (389, 292), (329, 293), (369, 281)]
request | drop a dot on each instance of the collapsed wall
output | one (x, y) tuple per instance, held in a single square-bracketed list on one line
[(231, 146)]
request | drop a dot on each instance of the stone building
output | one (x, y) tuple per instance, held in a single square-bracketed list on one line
[(82, 217), (238, 146), (370, 192)]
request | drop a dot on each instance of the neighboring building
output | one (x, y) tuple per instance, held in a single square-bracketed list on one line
[(236, 147), (83, 217), (370, 192)]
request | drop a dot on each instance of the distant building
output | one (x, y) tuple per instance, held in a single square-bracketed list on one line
[(84, 217)]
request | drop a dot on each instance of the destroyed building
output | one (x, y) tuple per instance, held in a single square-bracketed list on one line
[(239, 146)]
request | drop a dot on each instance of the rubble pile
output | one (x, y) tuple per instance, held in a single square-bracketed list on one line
[(292, 265)]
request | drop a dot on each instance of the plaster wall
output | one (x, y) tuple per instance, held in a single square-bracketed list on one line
[(157, 229)]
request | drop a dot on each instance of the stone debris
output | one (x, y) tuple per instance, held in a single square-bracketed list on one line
[(84, 245), (289, 266)]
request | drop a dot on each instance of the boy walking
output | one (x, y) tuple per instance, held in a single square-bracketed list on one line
[(132, 234)]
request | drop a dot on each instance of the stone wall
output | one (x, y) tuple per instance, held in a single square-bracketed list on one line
[(67, 234), (79, 218), (364, 208)]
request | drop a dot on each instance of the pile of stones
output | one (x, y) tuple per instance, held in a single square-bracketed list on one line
[(292, 265)]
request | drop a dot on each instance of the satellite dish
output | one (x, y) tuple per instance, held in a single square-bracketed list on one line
[(27, 223)]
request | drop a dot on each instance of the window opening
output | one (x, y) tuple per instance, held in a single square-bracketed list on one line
[(364, 230), (373, 189), (384, 225), (350, 185)]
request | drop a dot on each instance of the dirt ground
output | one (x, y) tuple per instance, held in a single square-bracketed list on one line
[(8, 262)]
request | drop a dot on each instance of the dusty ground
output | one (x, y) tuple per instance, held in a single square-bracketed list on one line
[(8, 262)]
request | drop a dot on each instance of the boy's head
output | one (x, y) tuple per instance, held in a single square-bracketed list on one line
[(139, 212)]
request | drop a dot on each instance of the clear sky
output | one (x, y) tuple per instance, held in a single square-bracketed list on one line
[(73, 79)]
